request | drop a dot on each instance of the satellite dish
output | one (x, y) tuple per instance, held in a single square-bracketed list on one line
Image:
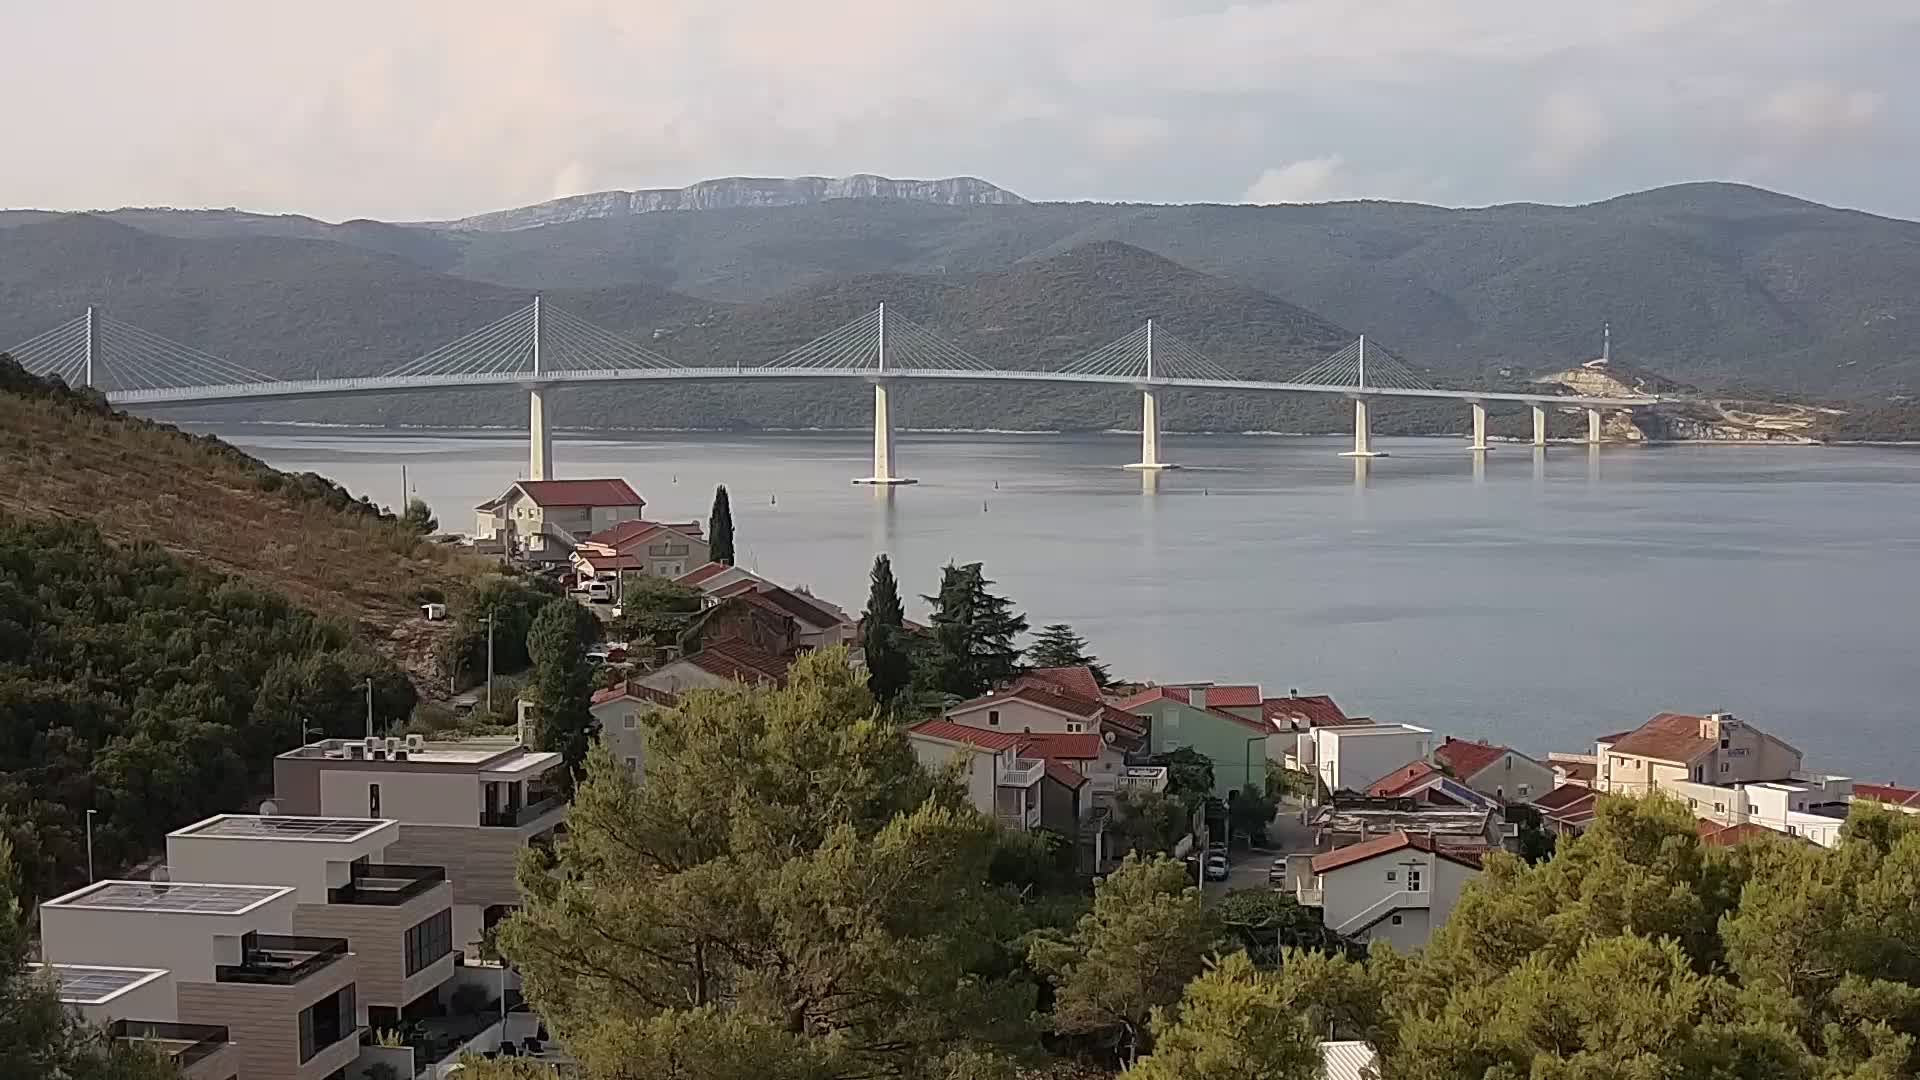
[(269, 808)]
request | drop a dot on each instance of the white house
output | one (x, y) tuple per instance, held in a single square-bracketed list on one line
[(1396, 888), (1351, 757), (547, 519), (621, 712), (998, 780), (1499, 771), (1088, 736)]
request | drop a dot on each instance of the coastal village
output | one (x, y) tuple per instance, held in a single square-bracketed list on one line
[(362, 897)]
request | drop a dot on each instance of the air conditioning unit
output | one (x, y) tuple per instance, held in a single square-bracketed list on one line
[(393, 745), (374, 743), (355, 751), (416, 743)]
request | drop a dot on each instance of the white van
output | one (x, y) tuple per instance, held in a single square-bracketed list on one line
[(599, 592)]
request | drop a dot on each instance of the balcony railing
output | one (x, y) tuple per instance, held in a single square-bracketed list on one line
[(510, 817), (1024, 772), (387, 884), (185, 1044), (280, 959)]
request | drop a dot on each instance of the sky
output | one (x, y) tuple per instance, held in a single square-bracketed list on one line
[(423, 109)]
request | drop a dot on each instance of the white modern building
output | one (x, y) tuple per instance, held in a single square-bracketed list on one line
[(290, 1002), (468, 806), (1350, 757), (998, 780), (123, 1001)]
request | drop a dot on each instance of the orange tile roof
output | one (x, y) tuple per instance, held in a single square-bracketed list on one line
[(1402, 778), (1040, 694), (1318, 710), (1398, 840), (606, 492), (1121, 720), (803, 608), (1584, 771), (1669, 736), (626, 533), (1465, 758), (1080, 746), (1891, 794), (701, 573), (632, 689), (941, 728), (1564, 796), (1062, 773), (1077, 680), (740, 662), (1233, 697), (1714, 834)]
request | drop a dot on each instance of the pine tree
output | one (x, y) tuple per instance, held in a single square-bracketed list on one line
[(419, 517), (1056, 645), (562, 683), (720, 528), (973, 631), (889, 667)]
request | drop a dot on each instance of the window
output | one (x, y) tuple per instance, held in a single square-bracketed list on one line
[(1693, 804), (1396, 920), (1792, 831), (1718, 808), (993, 717), (1499, 791), (429, 941), (1724, 743), (1074, 727), (1413, 879), (1523, 789), (327, 1021), (629, 722), (373, 800), (1391, 877), (633, 764), (1725, 767)]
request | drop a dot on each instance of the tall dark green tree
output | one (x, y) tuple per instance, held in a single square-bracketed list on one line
[(973, 633), (419, 517), (1056, 645), (562, 682), (889, 666), (720, 528)]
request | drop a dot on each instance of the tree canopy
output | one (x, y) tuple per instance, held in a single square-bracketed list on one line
[(883, 626), (720, 528), (1056, 645), (562, 683), (973, 633), (788, 888), (419, 517)]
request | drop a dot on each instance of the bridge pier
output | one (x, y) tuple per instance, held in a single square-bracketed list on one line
[(882, 441), (1593, 427), (1479, 444), (1539, 424), (1150, 433), (1362, 432), (539, 436)]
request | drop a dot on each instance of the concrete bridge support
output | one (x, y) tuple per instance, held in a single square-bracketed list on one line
[(1150, 433), (882, 441), (1362, 432), (539, 437), (1539, 425), (1479, 444), (1593, 426)]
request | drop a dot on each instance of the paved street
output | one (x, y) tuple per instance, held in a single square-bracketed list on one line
[(1248, 868)]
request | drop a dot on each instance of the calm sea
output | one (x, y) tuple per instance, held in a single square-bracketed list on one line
[(1536, 599)]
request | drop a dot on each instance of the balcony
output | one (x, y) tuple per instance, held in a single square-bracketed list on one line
[(387, 884), (514, 816), (1024, 772), (185, 1045), (1013, 819), (1142, 779), (280, 959)]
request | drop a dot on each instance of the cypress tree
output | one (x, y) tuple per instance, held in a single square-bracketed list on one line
[(889, 667), (973, 631), (720, 528)]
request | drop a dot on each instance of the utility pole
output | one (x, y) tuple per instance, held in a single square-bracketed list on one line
[(369, 706), (90, 814), (403, 491), (489, 663)]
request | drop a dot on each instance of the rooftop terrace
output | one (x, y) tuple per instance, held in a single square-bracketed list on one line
[(180, 898)]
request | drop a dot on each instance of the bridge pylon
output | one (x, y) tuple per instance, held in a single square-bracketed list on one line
[(1479, 439), (1150, 418), (882, 413)]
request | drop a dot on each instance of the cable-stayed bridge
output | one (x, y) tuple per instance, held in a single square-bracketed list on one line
[(539, 347)]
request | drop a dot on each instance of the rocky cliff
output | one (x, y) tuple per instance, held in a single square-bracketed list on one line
[(739, 191)]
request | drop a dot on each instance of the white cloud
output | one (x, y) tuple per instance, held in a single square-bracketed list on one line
[(1567, 127), (1808, 111), (1312, 180)]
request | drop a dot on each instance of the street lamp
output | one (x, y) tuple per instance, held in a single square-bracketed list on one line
[(90, 814)]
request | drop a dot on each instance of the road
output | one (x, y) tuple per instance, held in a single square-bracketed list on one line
[(1247, 868)]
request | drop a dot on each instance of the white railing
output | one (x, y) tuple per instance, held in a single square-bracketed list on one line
[(1024, 772), (1385, 906)]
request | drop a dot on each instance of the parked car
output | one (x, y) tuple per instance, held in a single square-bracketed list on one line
[(599, 592), (1216, 867), (1277, 874)]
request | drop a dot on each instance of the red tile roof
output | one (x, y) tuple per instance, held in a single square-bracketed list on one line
[(1402, 778), (600, 563), (1714, 834), (607, 492), (1397, 840), (1891, 794), (1669, 736), (803, 608), (1061, 773), (627, 533), (1039, 694), (1464, 758), (1121, 720), (1077, 680), (740, 662), (940, 728), (1584, 772), (1318, 710), (701, 573), (1564, 796), (1180, 694), (632, 689), (1233, 697), (735, 588), (1080, 746)]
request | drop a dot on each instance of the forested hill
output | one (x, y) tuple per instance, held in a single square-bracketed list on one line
[(1721, 286), (172, 613)]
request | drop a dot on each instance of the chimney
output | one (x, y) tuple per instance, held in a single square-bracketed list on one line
[(1293, 691), (1197, 697)]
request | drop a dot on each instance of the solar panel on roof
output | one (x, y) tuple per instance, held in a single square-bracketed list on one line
[(162, 896), (88, 985), (289, 828)]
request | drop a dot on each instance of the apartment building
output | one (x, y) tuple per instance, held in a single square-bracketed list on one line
[(999, 781), (467, 806), (1717, 749), (124, 1001), (397, 918), (1353, 757), (289, 1002)]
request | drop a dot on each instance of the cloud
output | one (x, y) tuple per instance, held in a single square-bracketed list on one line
[(1312, 180), (1568, 127), (1808, 111)]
